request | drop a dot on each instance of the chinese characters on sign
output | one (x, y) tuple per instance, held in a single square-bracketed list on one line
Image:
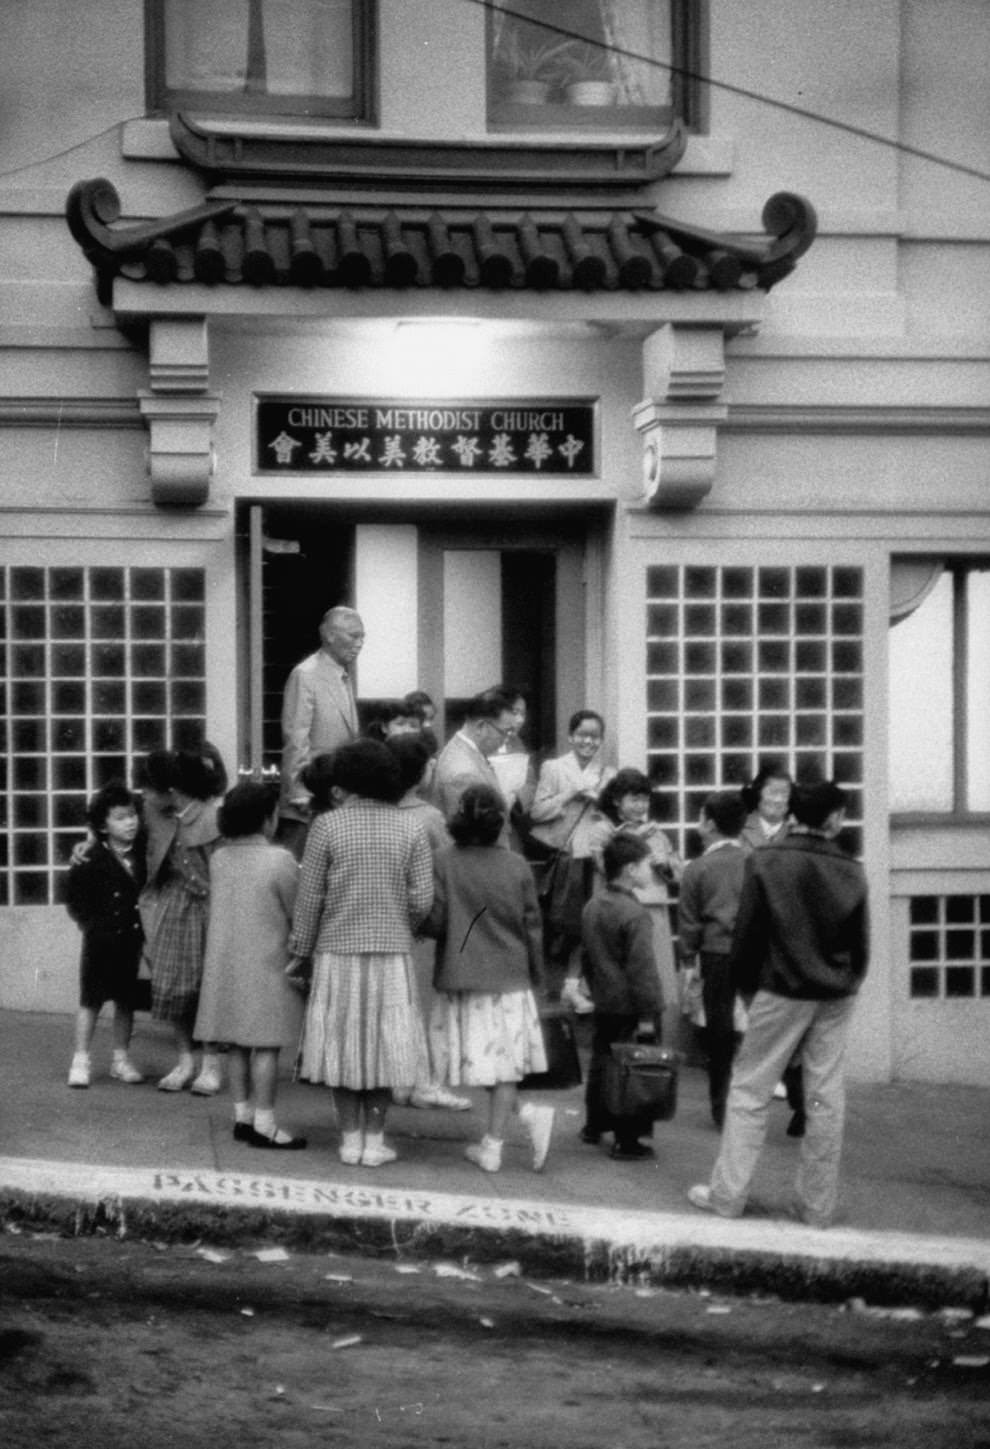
[(324, 435)]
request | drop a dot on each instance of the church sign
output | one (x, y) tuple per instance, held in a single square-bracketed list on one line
[(348, 435)]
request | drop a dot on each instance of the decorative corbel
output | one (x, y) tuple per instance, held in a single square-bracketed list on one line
[(180, 413), (683, 372)]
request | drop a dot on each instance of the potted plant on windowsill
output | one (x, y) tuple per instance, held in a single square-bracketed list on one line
[(528, 67), (588, 74)]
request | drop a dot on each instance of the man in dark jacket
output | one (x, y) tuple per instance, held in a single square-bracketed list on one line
[(800, 950)]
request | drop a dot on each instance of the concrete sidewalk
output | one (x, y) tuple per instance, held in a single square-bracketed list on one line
[(914, 1224)]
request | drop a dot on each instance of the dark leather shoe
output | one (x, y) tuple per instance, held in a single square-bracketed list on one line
[(795, 1127), (294, 1144), (630, 1151), (243, 1132)]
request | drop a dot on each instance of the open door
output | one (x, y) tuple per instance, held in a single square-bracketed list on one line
[(494, 601)]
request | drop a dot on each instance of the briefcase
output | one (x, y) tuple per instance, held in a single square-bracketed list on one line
[(560, 1044), (641, 1081)]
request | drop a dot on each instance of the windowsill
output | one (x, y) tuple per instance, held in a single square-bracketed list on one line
[(148, 139), (936, 820)]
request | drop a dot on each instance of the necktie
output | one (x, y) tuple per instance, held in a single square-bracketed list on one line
[(351, 706)]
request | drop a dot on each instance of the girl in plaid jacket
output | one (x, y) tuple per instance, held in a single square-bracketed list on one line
[(366, 885)]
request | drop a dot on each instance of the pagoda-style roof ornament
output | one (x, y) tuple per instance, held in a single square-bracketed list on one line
[(274, 239)]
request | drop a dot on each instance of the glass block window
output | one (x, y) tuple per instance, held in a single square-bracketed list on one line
[(949, 946), (747, 664), (97, 667)]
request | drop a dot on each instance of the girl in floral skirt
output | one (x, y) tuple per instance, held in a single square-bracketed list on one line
[(485, 1028)]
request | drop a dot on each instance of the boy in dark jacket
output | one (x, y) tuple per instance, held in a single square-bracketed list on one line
[(706, 917), (620, 968), (800, 950), (102, 899)]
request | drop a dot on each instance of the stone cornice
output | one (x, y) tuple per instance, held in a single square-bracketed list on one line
[(70, 412), (853, 419)]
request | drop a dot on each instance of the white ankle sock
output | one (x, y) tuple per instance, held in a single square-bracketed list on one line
[(243, 1113)]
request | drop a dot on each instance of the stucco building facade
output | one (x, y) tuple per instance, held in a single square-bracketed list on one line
[(675, 406)]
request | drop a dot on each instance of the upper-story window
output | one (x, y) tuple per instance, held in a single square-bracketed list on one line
[(270, 57), (599, 63)]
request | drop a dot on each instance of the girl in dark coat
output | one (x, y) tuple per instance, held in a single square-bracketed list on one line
[(102, 899)]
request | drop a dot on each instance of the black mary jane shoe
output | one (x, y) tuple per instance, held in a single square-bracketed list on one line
[(294, 1144), (630, 1151), (243, 1132)]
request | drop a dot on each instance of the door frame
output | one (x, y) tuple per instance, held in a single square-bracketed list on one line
[(570, 542)]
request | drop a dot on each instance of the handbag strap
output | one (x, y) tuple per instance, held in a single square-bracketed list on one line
[(570, 833)]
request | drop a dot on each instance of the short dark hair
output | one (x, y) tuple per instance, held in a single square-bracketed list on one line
[(580, 715), (113, 796), (489, 704), (811, 805), (368, 768), (195, 775), (384, 714), (245, 809), (622, 850), (413, 754), (156, 771), (318, 778), (479, 817), (512, 693), (213, 757), (418, 699), (626, 782), (770, 770), (727, 810)]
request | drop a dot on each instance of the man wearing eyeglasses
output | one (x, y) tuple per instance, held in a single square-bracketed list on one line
[(464, 760)]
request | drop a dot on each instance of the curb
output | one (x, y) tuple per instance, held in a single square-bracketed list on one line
[(547, 1239)]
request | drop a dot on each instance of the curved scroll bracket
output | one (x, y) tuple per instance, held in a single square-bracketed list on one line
[(92, 208), (788, 218)]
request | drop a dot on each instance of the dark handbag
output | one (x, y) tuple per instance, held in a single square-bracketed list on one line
[(641, 1081), (560, 1044), (563, 892)]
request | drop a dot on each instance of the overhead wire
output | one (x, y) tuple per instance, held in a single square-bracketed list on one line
[(759, 97)]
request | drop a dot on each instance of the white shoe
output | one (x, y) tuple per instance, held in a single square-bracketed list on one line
[(79, 1070), (351, 1149), (377, 1156), (575, 996), (208, 1083), (124, 1070), (485, 1155), (538, 1122), (439, 1097), (700, 1196), (780, 1092), (179, 1077)]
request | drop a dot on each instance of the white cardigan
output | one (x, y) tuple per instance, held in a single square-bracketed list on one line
[(554, 810)]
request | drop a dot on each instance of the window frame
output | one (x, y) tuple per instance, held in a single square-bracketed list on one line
[(958, 567), (689, 51), (360, 107)]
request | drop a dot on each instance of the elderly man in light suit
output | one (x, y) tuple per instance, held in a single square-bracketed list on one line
[(318, 715), (464, 759)]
